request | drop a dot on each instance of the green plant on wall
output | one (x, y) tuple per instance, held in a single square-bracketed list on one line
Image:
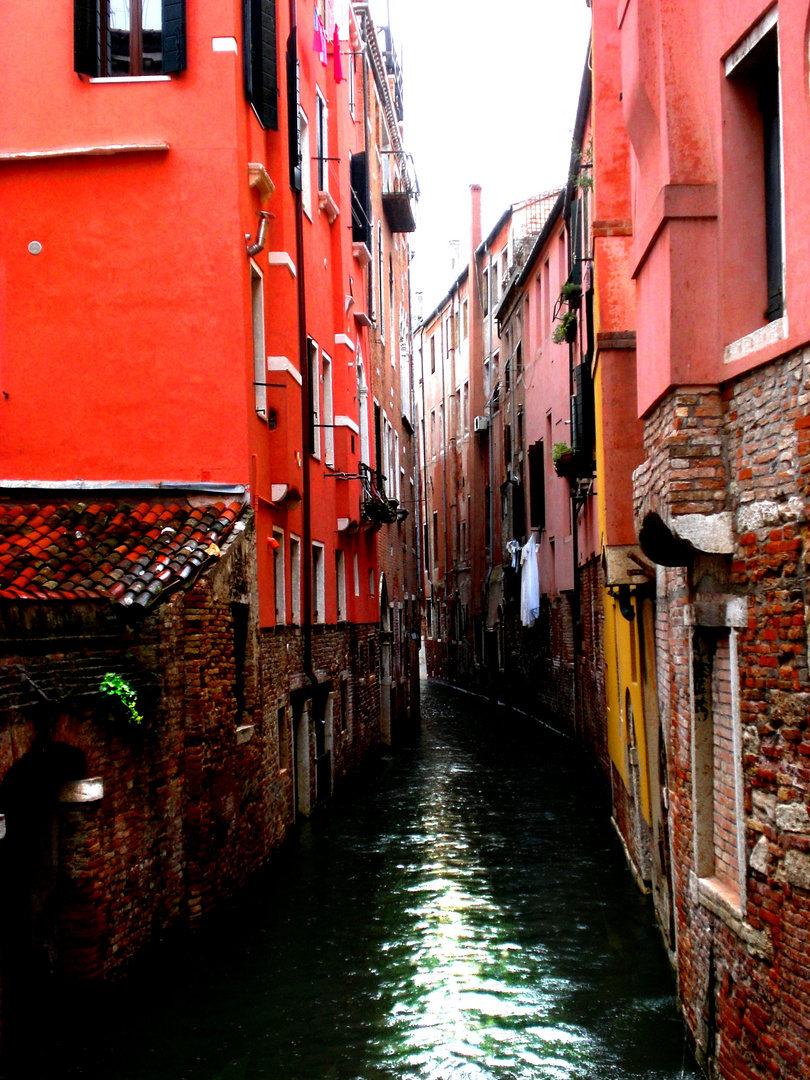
[(566, 328), (118, 687), (559, 450)]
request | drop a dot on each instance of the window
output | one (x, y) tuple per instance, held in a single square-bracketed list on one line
[(466, 406), (240, 623), (328, 412), (129, 38), (259, 362), (465, 319), (717, 760), (485, 293), (380, 285), (494, 281), (322, 133), (361, 222), (318, 584), (356, 565), (340, 584), (278, 577), (261, 60), (436, 538), (754, 245), (295, 580), (306, 163), (284, 736), (546, 300), (433, 355), (344, 704), (314, 400), (537, 485)]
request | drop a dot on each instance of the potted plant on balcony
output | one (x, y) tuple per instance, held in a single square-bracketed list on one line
[(572, 294), (566, 328), (380, 511), (563, 457)]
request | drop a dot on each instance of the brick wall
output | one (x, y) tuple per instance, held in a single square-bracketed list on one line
[(743, 963), (196, 798)]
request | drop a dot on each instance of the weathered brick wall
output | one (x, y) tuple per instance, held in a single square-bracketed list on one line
[(197, 797), (744, 969)]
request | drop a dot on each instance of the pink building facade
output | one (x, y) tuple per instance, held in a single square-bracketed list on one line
[(702, 250)]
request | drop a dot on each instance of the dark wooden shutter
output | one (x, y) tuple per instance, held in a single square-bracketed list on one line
[(537, 485), (575, 270), (293, 99), (86, 41), (174, 36), (361, 220), (769, 106), (261, 60)]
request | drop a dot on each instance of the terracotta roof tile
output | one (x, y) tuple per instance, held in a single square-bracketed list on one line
[(123, 554)]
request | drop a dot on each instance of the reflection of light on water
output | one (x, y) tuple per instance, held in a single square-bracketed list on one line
[(471, 1003)]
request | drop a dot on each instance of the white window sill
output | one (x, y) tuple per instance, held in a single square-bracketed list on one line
[(132, 79), (766, 335)]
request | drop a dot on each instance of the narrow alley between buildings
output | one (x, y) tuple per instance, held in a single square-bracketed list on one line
[(466, 914)]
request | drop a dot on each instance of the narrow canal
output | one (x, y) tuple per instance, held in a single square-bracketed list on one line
[(466, 915)]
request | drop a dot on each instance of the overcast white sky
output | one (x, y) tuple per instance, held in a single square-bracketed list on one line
[(491, 91)]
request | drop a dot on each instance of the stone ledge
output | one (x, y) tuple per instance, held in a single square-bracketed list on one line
[(244, 733)]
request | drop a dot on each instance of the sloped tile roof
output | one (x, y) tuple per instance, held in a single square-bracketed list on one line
[(129, 555)]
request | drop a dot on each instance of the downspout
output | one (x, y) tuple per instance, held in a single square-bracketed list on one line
[(444, 346), (367, 207), (417, 459), (491, 423), (306, 377)]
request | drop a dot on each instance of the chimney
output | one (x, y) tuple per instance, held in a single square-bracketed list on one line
[(475, 191)]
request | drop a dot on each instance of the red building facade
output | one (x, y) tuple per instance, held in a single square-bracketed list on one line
[(204, 244)]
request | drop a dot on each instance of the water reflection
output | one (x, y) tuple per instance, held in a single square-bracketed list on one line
[(466, 917)]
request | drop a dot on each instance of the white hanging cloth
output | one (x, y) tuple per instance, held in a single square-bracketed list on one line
[(529, 583)]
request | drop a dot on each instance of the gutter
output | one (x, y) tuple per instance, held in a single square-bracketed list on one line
[(306, 378)]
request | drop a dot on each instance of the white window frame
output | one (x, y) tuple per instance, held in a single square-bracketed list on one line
[(315, 394), (322, 139), (328, 410), (317, 554), (306, 163), (279, 578), (259, 358), (340, 584), (295, 579)]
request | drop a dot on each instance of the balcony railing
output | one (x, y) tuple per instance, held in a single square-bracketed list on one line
[(400, 190)]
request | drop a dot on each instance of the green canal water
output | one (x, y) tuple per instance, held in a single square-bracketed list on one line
[(464, 915)]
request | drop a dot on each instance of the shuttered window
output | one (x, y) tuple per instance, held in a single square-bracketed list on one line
[(129, 38), (261, 60), (537, 485), (361, 218)]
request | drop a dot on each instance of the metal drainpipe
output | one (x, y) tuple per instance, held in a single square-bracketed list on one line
[(442, 323), (367, 207), (574, 527), (303, 352), (416, 464), (491, 425)]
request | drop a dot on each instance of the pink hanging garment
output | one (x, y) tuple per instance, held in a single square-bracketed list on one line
[(319, 39), (336, 55)]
